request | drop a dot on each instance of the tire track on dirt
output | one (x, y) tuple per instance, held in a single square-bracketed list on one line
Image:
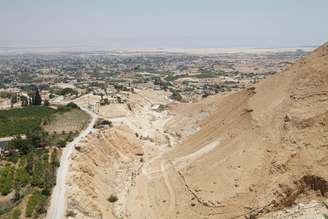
[(168, 185)]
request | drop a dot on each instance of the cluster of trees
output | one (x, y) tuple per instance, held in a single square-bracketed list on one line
[(104, 101), (67, 91), (68, 107), (176, 95), (173, 77), (120, 87), (34, 98), (20, 121), (34, 139), (35, 170), (165, 85), (38, 138), (31, 168), (103, 123), (30, 162)]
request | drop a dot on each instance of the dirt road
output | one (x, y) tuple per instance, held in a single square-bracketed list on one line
[(58, 200), (179, 162)]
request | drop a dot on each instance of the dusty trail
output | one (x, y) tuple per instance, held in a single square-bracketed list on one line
[(264, 134), (58, 198), (188, 159), (179, 163), (168, 185), (135, 179), (163, 172), (149, 125)]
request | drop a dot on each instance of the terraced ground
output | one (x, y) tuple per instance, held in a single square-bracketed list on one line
[(71, 121)]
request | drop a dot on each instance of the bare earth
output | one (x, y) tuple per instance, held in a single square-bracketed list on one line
[(248, 154)]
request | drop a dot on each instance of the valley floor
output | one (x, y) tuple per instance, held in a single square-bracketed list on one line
[(128, 161)]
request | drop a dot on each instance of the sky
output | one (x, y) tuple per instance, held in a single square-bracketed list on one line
[(163, 23)]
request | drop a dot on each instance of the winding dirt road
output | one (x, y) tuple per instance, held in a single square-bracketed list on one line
[(180, 162), (154, 172), (58, 200)]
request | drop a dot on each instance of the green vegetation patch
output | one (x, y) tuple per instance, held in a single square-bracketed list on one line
[(28, 169), (207, 73), (6, 179), (176, 95), (22, 177), (35, 174), (21, 121), (36, 204), (16, 213), (173, 77)]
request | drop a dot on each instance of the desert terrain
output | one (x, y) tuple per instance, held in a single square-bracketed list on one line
[(127, 161), (163, 109), (246, 154)]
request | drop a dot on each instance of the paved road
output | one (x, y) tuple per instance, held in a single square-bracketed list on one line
[(58, 200)]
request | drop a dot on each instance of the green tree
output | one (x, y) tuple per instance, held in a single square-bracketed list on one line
[(24, 146), (17, 189), (46, 103), (13, 100), (37, 100), (29, 163), (24, 101)]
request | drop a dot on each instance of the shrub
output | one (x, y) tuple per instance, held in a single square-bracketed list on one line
[(16, 213), (37, 202), (112, 198), (69, 137), (46, 103), (62, 143), (106, 122), (102, 122), (51, 96), (39, 172), (176, 95), (70, 214), (72, 106), (24, 146), (162, 107), (6, 179), (67, 91), (22, 177), (104, 101)]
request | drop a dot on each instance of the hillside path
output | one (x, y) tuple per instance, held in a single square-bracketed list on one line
[(57, 206)]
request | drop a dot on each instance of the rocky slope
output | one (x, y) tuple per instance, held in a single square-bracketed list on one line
[(247, 154), (272, 151)]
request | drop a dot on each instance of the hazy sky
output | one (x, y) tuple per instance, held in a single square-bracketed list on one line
[(163, 23)]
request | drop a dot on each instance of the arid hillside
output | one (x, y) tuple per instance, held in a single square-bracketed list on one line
[(271, 147), (247, 154)]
